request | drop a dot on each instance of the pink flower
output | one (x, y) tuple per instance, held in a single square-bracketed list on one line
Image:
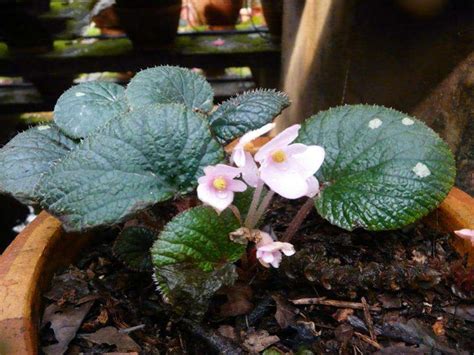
[(466, 234), (218, 185), (288, 169), (243, 159), (270, 252), (218, 42)]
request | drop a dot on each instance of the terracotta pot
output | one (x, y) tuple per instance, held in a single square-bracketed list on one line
[(26, 269), (28, 264), (218, 14), (273, 14), (150, 27), (108, 21)]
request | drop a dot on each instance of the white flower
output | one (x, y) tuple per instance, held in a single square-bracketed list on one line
[(288, 169)]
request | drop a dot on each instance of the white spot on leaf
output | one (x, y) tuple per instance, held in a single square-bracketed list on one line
[(421, 170), (375, 123), (407, 121), (43, 128), (79, 94)]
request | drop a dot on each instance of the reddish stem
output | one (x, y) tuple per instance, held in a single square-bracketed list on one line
[(300, 216)]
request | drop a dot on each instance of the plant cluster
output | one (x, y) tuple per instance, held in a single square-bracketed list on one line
[(112, 153)]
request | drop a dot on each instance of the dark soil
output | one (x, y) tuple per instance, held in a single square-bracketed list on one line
[(398, 292)]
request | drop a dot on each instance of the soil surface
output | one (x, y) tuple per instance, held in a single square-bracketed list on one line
[(397, 292)]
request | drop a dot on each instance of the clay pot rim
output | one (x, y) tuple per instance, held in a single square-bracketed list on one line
[(26, 266)]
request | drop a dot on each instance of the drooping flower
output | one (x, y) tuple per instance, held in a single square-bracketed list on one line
[(243, 159), (216, 188), (270, 252), (467, 234), (288, 169)]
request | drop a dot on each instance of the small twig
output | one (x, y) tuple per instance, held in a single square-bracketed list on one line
[(295, 224), (132, 329), (334, 303), (368, 340), (368, 319)]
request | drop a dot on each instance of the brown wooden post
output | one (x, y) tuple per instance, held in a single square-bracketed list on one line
[(313, 64), (449, 110)]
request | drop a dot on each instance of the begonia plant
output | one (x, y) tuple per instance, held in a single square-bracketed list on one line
[(112, 153)]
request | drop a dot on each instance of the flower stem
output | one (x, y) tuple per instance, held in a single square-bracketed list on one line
[(262, 208), (253, 205), (300, 216)]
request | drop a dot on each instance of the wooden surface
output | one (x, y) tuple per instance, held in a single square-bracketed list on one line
[(97, 55), (372, 51), (312, 57), (449, 110)]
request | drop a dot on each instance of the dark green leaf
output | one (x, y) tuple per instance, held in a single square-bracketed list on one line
[(193, 255), (247, 112), (199, 237), (189, 289), (145, 156), (85, 107), (383, 169), (166, 84), (28, 156), (132, 247)]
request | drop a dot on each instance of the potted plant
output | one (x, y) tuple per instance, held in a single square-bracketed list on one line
[(111, 154), (149, 23), (104, 16), (218, 14), (273, 13)]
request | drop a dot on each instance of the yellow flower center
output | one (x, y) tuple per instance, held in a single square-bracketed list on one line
[(219, 183), (279, 156)]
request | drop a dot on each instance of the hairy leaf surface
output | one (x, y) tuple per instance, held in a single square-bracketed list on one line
[(246, 112), (199, 237), (28, 156), (132, 247), (85, 107), (383, 169), (146, 156), (167, 84)]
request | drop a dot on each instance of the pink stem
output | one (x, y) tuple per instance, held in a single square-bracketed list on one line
[(300, 216)]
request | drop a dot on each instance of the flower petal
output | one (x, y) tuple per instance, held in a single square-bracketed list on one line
[(250, 171), (280, 141), (203, 179), (287, 248), (221, 170), (276, 260), (465, 233), (238, 157), (236, 186), (277, 246), (219, 200), (287, 183), (310, 160), (265, 239), (268, 257), (296, 148), (313, 186), (251, 135)]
